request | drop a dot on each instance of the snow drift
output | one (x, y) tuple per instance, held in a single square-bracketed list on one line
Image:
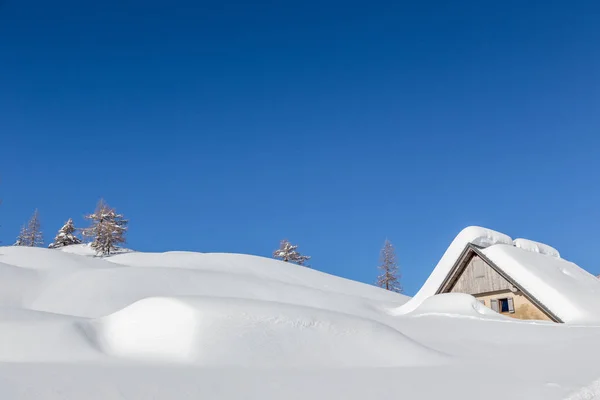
[(455, 305), (234, 332)]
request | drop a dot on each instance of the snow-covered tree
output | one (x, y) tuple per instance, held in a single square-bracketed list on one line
[(287, 252), (389, 278), (21, 238), (66, 236), (107, 229)]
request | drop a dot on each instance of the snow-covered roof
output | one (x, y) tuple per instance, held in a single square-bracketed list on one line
[(562, 287), (476, 235), (567, 290)]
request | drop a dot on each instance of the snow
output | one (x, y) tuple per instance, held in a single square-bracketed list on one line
[(589, 392), (182, 325), (455, 305), (476, 235), (236, 332), (569, 291), (536, 247)]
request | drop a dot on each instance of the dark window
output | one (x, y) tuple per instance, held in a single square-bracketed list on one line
[(506, 305)]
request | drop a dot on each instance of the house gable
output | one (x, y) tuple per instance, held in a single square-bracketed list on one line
[(477, 278), (475, 274)]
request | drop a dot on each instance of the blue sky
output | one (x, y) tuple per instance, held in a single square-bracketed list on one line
[(226, 126)]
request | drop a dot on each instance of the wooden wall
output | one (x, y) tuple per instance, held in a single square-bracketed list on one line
[(478, 277)]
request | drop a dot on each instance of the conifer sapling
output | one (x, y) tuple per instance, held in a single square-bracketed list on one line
[(66, 236), (287, 252)]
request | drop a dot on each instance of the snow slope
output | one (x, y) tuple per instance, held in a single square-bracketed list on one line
[(183, 325)]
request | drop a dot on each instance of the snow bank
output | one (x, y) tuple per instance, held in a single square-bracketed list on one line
[(235, 332), (455, 305), (30, 336), (536, 247), (569, 291), (473, 234)]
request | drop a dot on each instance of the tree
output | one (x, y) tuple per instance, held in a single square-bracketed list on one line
[(31, 235), (65, 236), (107, 229), (389, 278), (287, 252), (21, 238)]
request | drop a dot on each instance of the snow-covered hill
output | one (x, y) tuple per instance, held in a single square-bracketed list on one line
[(183, 325)]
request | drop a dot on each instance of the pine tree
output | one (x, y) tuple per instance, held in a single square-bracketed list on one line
[(65, 236), (389, 278), (287, 252), (107, 229), (21, 238)]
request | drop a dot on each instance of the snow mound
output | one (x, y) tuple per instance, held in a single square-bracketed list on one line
[(476, 235), (235, 332), (455, 305), (28, 336), (536, 247)]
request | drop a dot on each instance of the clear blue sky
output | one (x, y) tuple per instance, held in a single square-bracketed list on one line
[(226, 126)]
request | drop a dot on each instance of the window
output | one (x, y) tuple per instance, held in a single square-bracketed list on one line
[(482, 301), (505, 305)]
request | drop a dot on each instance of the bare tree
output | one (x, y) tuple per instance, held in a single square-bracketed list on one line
[(287, 252), (31, 235), (389, 278), (66, 236), (107, 229)]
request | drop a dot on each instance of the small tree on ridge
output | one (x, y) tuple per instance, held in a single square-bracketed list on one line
[(287, 252), (66, 236), (31, 235), (389, 278), (107, 229)]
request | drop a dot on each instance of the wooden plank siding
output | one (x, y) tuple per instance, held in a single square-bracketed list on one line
[(478, 278)]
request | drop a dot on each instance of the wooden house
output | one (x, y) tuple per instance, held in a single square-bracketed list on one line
[(518, 278), (479, 276)]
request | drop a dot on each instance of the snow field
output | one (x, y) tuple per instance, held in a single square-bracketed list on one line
[(183, 325)]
